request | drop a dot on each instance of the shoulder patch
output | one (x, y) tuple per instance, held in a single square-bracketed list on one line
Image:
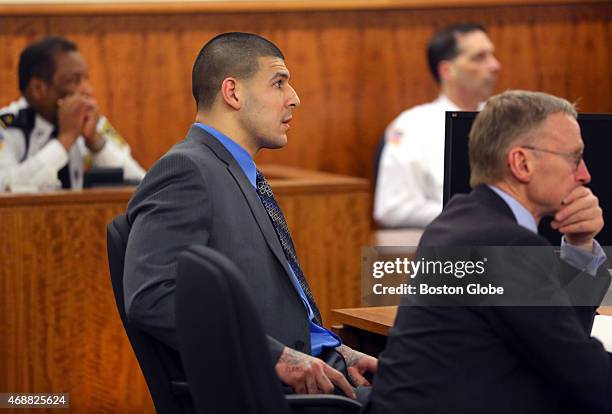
[(6, 120), (108, 131), (87, 161), (395, 137)]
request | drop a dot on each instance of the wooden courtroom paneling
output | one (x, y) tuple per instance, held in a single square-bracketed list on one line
[(59, 327), (80, 7), (60, 330), (354, 70)]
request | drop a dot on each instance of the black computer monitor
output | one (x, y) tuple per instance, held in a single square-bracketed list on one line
[(597, 136)]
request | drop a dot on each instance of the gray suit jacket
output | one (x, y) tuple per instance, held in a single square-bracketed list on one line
[(198, 194)]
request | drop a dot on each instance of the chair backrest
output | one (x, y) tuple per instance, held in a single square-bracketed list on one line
[(149, 352), (221, 339)]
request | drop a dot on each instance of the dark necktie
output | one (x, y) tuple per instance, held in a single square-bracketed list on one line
[(64, 173), (280, 225)]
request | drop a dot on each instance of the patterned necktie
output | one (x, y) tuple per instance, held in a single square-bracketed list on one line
[(280, 225)]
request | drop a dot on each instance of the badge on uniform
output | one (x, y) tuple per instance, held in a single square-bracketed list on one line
[(108, 131), (395, 137), (87, 162), (6, 120)]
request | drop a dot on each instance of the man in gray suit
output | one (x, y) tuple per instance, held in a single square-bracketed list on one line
[(207, 190)]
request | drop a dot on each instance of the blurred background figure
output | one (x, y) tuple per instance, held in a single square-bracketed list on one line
[(54, 131), (411, 169)]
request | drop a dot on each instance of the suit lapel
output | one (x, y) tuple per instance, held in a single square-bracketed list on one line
[(260, 214), (248, 191)]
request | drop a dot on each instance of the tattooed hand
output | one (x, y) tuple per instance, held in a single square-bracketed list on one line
[(308, 375), (358, 363)]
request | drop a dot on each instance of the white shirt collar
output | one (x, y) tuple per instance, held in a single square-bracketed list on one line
[(449, 105), (40, 124)]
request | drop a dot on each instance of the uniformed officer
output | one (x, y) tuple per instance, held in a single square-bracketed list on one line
[(50, 135), (411, 169)]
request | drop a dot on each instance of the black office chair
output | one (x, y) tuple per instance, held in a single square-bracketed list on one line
[(169, 394), (223, 346), (168, 389)]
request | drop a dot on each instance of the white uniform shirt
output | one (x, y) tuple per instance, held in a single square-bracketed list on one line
[(411, 169), (35, 165)]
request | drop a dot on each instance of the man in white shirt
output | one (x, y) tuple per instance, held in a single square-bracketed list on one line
[(411, 169), (50, 135)]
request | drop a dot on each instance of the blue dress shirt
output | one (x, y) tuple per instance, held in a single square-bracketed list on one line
[(319, 336), (573, 255)]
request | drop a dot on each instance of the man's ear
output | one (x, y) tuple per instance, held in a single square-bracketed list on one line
[(37, 89), (230, 93), (520, 164), (445, 70)]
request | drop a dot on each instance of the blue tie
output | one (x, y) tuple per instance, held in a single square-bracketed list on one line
[(280, 225)]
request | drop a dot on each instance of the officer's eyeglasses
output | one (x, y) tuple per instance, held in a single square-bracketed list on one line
[(573, 157)]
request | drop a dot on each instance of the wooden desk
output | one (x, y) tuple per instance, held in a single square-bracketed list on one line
[(59, 327), (365, 329), (396, 237), (605, 310)]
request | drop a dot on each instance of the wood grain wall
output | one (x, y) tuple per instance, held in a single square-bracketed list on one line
[(60, 330), (354, 70)]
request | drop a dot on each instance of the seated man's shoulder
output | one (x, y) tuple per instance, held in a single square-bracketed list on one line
[(416, 119), (185, 157), (105, 128), (468, 221), (14, 114), (7, 120), (417, 112), (172, 170), (14, 106), (178, 157)]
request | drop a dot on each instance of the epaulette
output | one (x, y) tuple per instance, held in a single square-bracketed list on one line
[(6, 120), (110, 132), (24, 120)]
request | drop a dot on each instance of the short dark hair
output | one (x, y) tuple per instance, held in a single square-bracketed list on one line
[(443, 45), (229, 54), (38, 59)]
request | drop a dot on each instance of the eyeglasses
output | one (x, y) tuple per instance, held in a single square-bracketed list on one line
[(573, 157)]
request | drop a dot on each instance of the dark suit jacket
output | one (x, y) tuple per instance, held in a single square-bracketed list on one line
[(494, 359), (198, 194)]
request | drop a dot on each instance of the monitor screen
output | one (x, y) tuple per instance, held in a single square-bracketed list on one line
[(597, 136)]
